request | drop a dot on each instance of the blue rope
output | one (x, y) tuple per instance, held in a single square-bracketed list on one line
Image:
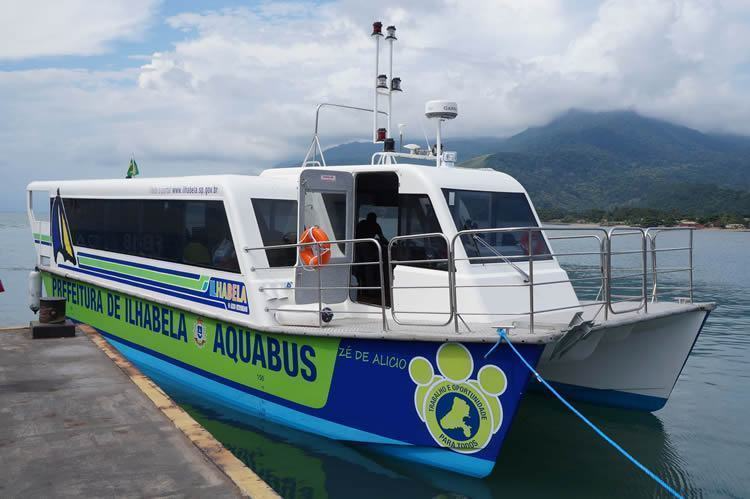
[(501, 332)]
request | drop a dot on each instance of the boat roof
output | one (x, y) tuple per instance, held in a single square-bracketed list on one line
[(194, 186), (412, 178), (420, 175)]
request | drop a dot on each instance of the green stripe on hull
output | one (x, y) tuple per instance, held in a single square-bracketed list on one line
[(294, 368), (175, 280), (42, 237)]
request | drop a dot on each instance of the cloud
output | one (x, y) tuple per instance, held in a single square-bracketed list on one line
[(237, 91), (34, 28)]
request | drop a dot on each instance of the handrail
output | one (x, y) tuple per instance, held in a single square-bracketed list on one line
[(392, 263), (487, 245), (318, 267), (651, 234), (643, 301), (530, 256), (616, 283), (315, 144)]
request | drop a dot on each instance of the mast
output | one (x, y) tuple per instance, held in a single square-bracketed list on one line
[(377, 34)]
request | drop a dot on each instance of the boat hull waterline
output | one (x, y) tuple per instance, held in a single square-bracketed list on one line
[(437, 403), (632, 366)]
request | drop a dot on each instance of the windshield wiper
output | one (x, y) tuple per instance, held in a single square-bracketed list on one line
[(500, 255)]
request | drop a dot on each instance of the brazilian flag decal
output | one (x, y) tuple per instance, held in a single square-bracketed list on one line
[(62, 241)]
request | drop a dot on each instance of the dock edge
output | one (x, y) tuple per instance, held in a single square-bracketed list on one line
[(248, 483)]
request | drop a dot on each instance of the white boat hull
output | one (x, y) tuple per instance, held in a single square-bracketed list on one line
[(631, 361)]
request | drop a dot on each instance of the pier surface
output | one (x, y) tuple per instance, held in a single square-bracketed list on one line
[(73, 423)]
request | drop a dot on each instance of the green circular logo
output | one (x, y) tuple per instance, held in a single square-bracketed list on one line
[(460, 413)]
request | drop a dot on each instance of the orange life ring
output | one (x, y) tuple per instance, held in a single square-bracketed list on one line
[(308, 253)]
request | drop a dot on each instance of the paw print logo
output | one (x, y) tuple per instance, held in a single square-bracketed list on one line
[(460, 413)]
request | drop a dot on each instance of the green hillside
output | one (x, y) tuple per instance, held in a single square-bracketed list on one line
[(583, 163)]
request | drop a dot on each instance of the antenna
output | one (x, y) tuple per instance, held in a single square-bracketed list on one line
[(441, 110), (384, 84), (426, 139), (377, 34), (401, 127)]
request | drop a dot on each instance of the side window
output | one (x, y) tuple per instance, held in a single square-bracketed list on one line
[(277, 222), (190, 232), (208, 240)]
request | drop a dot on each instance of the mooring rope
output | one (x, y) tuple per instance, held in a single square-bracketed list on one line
[(501, 332)]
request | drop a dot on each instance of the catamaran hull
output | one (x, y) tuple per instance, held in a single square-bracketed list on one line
[(628, 364), (440, 404)]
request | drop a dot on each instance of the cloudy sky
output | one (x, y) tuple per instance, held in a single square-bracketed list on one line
[(204, 87)]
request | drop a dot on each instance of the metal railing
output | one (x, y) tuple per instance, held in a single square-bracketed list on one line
[(527, 277), (615, 289), (651, 235), (428, 261), (318, 249), (642, 299)]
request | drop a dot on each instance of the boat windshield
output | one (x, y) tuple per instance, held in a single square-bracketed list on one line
[(495, 210)]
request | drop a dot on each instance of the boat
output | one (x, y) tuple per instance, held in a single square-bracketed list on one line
[(367, 303)]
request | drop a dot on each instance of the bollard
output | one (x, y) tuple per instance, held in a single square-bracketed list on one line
[(52, 310), (52, 322)]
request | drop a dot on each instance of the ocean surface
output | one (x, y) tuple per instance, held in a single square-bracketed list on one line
[(700, 442)]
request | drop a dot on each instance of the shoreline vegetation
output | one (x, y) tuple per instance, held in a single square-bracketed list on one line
[(645, 217)]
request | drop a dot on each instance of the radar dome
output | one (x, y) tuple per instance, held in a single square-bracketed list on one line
[(443, 109)]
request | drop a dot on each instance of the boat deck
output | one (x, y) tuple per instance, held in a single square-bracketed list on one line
[(519, 332)]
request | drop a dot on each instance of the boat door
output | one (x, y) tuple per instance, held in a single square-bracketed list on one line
[(326, 199)]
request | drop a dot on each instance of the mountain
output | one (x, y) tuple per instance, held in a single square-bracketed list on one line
[(584, 161), (357, 153)]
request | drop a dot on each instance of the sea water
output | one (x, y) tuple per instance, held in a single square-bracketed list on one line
[(699, 442)]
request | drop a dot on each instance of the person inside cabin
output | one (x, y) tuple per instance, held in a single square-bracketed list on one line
[(368, 275), (370, 228)]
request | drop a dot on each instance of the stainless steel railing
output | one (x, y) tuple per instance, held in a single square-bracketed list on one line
[(616, 289), (651, 235), (318, 249), (529, 277), (395, 242)]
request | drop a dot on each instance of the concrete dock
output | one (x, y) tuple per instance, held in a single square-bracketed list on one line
[(75, 423)]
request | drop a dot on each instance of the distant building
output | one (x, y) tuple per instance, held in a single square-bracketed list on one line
[(734, 226), (689, 223)]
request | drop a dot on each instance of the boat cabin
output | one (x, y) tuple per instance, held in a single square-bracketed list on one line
[(409, 245)]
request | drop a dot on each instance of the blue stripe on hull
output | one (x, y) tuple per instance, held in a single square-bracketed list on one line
[(613, 398), (245, 402), (156, 289)]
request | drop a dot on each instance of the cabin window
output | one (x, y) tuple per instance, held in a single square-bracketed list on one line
[(277, 222), (412, 215), (180, 231), (485, 210)]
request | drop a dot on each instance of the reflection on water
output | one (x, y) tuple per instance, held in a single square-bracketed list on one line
[(548, 452), (699, 442)]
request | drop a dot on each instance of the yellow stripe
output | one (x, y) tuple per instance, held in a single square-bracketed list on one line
[(65, 235)]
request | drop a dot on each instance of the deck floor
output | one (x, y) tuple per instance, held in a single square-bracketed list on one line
[(544, 331), (73, 424)]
